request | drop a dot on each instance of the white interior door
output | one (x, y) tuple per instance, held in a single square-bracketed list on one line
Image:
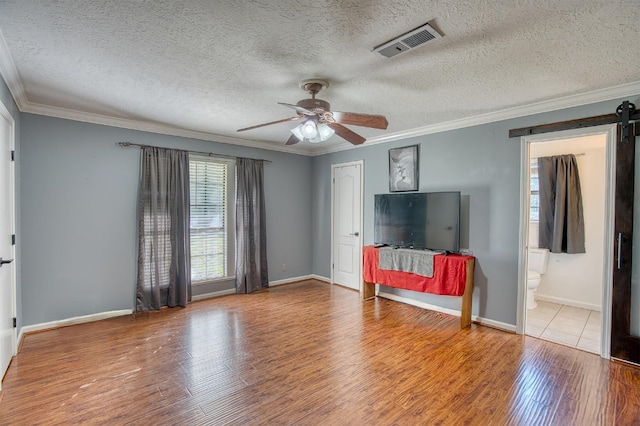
[(347, 232), (7, 299)]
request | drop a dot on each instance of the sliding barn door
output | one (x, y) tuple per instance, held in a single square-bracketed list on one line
[(625, 318)]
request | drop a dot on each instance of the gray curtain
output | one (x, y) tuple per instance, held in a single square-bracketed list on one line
[(561, 216), (251, 234), (164, 247)]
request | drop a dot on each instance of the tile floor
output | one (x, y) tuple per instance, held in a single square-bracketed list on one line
[(569, 326)]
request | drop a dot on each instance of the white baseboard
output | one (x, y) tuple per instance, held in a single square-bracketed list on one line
[(494, 324), (296, 279), (483, 321), (214, 294), (567, 302), (71, 321), (419, 304), (271, 284)]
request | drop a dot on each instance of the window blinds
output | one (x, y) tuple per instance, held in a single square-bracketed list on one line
[(208, 186)]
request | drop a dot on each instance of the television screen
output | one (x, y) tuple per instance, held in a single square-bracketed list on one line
[(422, 220)]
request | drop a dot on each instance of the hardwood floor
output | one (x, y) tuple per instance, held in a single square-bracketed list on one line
[(308, 354)]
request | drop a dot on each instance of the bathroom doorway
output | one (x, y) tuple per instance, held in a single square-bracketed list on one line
[(571, 292)]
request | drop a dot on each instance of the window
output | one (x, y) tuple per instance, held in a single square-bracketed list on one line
[(212, 187), (534, 194)]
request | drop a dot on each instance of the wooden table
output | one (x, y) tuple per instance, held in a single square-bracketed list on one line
[(452, 276)]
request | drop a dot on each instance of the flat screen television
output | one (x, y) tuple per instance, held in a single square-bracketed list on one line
[(420, 220)]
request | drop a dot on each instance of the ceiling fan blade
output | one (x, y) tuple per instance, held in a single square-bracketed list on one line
[(298, 108), (270, 123), (346, 134), (364, 120), (292, 140)]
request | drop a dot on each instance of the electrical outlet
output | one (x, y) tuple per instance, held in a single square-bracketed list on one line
[(284, 266)]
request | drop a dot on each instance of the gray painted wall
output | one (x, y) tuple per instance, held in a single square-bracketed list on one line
[(7, 101), (481, 162), (77, 194), (78, 212)]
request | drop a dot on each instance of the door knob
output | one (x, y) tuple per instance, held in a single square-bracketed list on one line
[(2, 262), (355, 234)]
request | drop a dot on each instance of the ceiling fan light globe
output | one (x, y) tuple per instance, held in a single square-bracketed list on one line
[(297, 133), (325, 132), (309, 129)]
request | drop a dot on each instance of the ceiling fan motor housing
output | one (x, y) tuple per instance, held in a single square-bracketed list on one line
[(314, 104)]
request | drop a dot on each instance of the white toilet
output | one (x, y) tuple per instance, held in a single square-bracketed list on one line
[(537, 260)]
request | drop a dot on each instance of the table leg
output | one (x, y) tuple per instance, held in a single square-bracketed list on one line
[(368, 290), (467, 297)]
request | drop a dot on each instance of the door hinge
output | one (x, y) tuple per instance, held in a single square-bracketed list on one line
[(13, 156), (13, 240), (15, 322)]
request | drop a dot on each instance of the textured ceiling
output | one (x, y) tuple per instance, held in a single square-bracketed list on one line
[(216, 66)]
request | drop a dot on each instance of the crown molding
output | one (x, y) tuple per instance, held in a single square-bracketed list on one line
[(565, 102), (10, 74), (571, 101), (151, 127)]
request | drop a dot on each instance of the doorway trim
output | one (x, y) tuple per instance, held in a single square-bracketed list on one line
[(333, 182), (5, 114), (609, 131)]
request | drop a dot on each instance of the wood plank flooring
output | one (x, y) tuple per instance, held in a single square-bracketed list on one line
[(308, 354)]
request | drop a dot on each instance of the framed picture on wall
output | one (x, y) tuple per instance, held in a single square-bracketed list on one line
[(403, 169)]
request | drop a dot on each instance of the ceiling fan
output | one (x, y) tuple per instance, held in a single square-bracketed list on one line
[(320, 123)]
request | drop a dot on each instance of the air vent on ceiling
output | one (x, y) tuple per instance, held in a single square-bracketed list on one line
[(408, 41)]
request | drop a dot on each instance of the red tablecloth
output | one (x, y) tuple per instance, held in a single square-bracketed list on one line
[(449, 274)]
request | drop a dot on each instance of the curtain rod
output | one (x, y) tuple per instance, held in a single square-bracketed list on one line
[(580, 154), (210, 154)]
